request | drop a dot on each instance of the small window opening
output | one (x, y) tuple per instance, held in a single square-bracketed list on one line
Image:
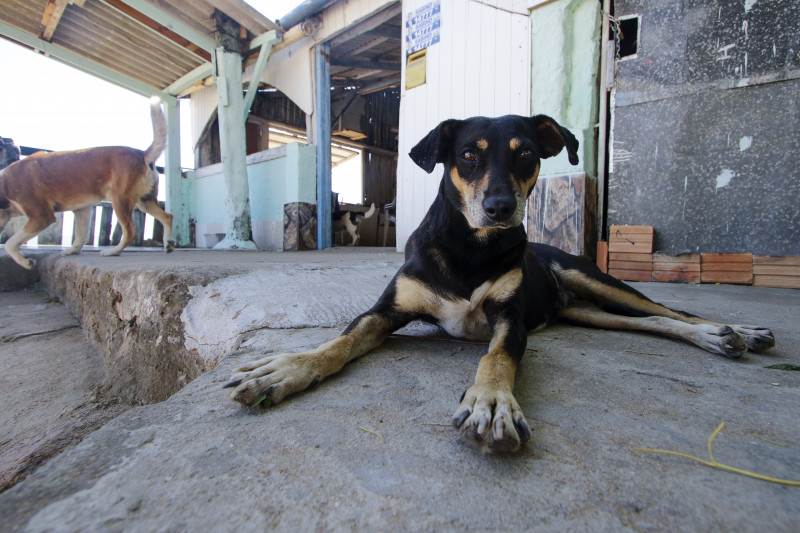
[(628, 36)]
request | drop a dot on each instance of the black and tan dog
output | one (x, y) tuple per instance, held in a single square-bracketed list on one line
[(470, 269), (45, 183)]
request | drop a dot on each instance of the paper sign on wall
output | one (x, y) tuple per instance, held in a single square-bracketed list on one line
[(422, 27)]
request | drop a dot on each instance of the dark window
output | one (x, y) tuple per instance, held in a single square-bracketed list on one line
[(629, 36)]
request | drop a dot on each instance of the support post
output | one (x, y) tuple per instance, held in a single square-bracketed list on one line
[(265, 41), (228, 77), (322, 138), (173, 178)]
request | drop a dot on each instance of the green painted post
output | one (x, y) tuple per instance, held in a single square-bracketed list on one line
[(175, 204), (228, 77)]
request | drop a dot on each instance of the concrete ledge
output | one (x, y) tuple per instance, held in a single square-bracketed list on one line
[(161, 320)]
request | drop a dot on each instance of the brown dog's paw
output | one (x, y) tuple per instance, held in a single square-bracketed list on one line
[(272, 379), (491, 420), (757, 338)]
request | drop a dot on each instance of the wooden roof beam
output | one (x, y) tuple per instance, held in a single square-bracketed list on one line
[(51, 17)]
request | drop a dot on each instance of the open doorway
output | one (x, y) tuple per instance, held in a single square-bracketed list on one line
[(365, 63)]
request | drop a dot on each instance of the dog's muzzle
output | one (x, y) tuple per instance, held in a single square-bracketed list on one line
[(499, 208)]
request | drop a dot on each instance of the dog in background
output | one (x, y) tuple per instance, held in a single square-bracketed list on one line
[(470, 269), (349, 221), (45, 183)]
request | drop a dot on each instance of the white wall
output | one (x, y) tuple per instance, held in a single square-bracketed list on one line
[(481, 66), (290, 70)]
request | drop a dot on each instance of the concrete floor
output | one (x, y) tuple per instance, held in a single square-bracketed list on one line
[(371, 449)]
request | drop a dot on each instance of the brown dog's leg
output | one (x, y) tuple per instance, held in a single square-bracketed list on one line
[(35, 225), (82, 217), (152, 208), (124, 211)]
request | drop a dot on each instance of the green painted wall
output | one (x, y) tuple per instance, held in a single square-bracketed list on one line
[(565, 52), (275, 177)]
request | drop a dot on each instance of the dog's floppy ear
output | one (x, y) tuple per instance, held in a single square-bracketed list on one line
[(434, 146), (553, 138)]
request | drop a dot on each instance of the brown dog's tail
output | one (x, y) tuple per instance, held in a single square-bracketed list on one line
[(159, 132)]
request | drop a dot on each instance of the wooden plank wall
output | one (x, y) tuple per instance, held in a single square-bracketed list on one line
[(481, 66)]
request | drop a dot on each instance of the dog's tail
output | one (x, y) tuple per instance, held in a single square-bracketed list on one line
[(159, 132), (371, 211)]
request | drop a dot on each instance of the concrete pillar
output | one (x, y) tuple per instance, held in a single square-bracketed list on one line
[(228, 77), (173, 179)]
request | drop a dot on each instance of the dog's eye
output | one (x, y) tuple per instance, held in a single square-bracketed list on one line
[(469, 155), (526, 154)]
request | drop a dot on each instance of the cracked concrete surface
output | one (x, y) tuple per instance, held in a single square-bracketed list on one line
[(372, 448)]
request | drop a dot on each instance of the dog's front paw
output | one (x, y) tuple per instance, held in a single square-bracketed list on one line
[(71, 251), (272, 379), (491, 420), (111, 252), (169, 247), (757, 338)]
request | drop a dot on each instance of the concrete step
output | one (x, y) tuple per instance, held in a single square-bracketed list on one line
[(51, 387), (371, 448)]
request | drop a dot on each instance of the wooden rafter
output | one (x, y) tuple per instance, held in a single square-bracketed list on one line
[(51, 17)]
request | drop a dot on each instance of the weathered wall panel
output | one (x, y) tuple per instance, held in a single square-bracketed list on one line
[(706, 127)]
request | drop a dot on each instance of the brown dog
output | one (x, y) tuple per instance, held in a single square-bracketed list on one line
[(76, 180)]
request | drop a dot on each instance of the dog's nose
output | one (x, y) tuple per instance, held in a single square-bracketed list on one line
[(499, 208)]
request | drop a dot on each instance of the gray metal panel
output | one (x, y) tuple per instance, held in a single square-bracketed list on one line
[(703, 152), (673, 158)]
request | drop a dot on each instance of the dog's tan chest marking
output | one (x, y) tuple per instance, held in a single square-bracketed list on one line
[(460, 317)]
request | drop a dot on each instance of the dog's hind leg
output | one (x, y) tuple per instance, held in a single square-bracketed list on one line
[(82, 217), (714, 338), (124, 211), (613, 298), (35, 225), (151, 207)]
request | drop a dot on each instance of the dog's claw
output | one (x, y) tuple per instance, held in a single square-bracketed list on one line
[(461, 416), (523, 429), (232, 383)]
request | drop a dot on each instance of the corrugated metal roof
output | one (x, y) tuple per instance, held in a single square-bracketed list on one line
[(118, 35)]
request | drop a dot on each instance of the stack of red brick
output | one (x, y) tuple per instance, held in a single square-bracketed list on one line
[(628, 255)]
